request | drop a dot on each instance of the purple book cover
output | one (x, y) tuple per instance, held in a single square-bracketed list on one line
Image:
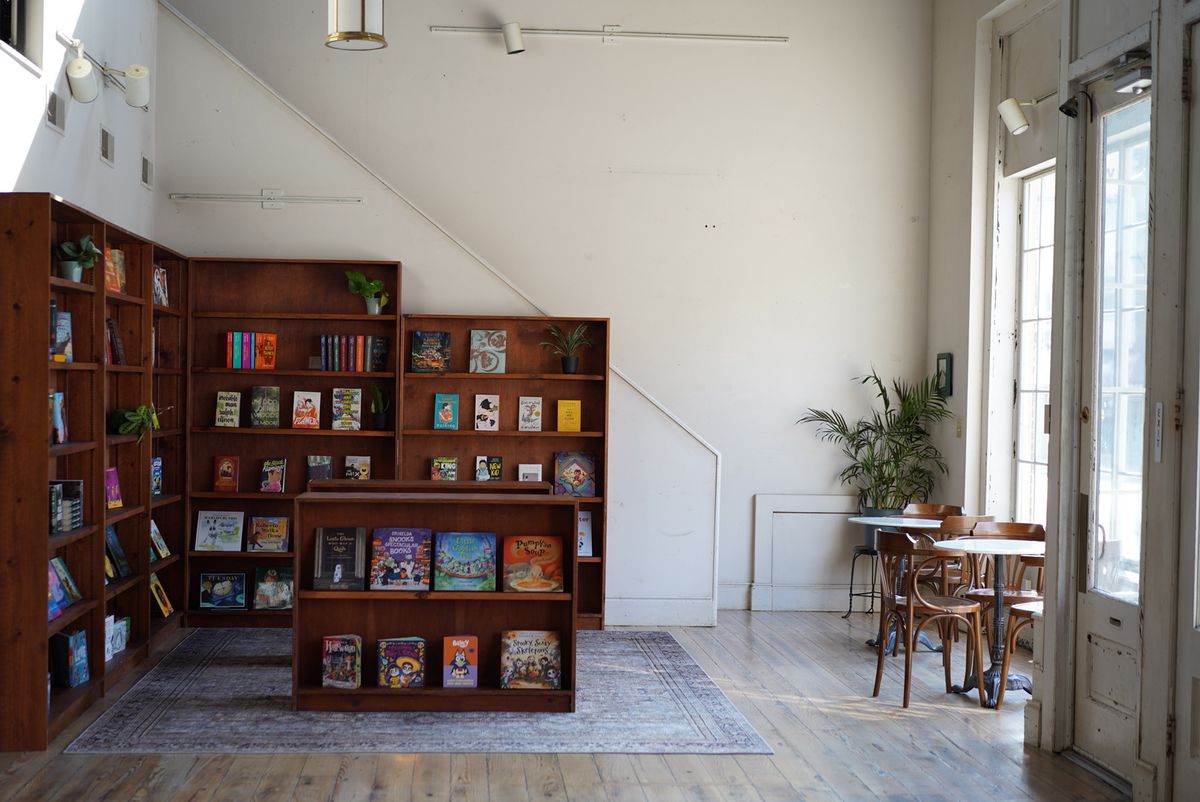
[(400, 558)]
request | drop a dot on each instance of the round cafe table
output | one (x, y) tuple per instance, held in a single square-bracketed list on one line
[(1000, 549), (903, 524)]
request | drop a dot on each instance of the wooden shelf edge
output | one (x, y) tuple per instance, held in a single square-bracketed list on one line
[(167, 433), (577, 377), (120, 439), (223, 315), (66, 285), (159, 309), (125, 368), (73, 613), (121, 513), (163, 501), (506, 433), (82, 366), (123, 298), (119, 586), (490, 596), (332, 374), (66, 705), (253, 555), (243, 496), (263, 430), (77, 447), (165, 562), (66, 538)]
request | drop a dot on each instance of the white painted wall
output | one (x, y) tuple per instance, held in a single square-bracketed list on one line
[(36, 158), (732, 207)]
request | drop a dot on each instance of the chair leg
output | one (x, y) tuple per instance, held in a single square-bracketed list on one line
[(970, 654), (882, 647), (850, 598), (874, 582), (910, 642), (977, 636), (1010, 646), (947, 645)]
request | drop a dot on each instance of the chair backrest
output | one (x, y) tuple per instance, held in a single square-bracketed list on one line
[(1014, 569), (903, 557), (960, 525), (919, 510), (1009, 530)]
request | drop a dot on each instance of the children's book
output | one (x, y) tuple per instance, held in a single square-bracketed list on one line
[(430, 352), (156, 476), (306, 410), (264, 407), (219, 530), (265, 350), (570, 415), (585, 534), (229, 408), (487, 350), (444, 469), (156, 540), (487, 413), (267, 533), (401, 662), (58, 417), (400, 558), (114, 270), (320, 466), (273, 588), (574, 473), (226, 591), (69, 658), (341, 661), (274, 475), (445, 411), (121, 634), (159, 594), (464, 561), (358, 468), (225, 473), (112, 489), (530, 658), (58, 599), (63, 349), (340, 558), (533, 563), (66, 580), (488, 469), (159, 287), (460, 661), (116, 554), (529, 472), (529, 413), (347, 409)]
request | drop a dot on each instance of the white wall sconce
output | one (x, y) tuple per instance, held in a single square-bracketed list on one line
[(1014, 119), (356, 25), (85, 85), (513, 41)]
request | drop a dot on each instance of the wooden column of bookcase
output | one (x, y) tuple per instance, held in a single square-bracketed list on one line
[(431, 615), (530, 371), (299, 301)]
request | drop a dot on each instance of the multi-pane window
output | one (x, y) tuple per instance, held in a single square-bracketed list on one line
[(12, 24)]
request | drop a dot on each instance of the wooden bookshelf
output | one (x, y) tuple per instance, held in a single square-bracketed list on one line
[(530, 370), (299, 301), (430, 615)]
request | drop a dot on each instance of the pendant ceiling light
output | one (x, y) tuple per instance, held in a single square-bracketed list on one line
[(355, 25)]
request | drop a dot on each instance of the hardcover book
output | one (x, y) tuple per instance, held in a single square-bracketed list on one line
[(487, 413), (574, 473), (570, 415), (225, 474), (533, 563), (378, 351), (430, 352), (219, 530), (487, 350), (529, 472), (58, 417), (460, 661), (340, 558), (115, 345), (464, 561), (585, 534), (265, 344), (529, 413), (274, 475), (488, 469), (273, 588), (347, 409), (341, 661), (358, 468), (445, 411), (444, 469), (56, 509), (58, 599), (264, 407), (267, 533), (159, 594), (530, 658), (115, 553), (225, 591), (229, 409), (306, 410), (69, 658), (121, 634), (400, 558), (158, 288), (66, 580), (320, 466), (114, 270), (401, 662), (156, 540), (63, 349), (112, 489), (156, 476), (110, 622)]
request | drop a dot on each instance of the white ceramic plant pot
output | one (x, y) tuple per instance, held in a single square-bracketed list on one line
[(72, 271), (373, 306)]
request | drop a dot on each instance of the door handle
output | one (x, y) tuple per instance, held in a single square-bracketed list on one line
[(1116, 622)]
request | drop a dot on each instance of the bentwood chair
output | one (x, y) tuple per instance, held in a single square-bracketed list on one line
[(1016, 571), (904, 570), (921, 510), (1020, 616)]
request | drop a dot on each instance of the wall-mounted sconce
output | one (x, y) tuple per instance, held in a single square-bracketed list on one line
[(85, 85), (356, 25), (1014, 119)]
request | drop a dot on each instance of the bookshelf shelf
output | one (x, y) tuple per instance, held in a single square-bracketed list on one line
[(317, 316), (471, 433), (314, 697), (590, 560), (165, 562), (112, 517), (120, 439), (166, 311), (72, 614), (122, 298), (161, 626), (567, 377), (434, 596), (168, 371), (167, 433), (64, 539), (120, 586), (124, 369), (123, 661), (67, 703), (264, 497), (315, 374), (65, 285), (87, 366), (289, 432), (241, 555), (66, 449), (163, 501)]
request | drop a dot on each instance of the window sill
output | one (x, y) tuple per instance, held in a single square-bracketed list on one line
[(21, 59)]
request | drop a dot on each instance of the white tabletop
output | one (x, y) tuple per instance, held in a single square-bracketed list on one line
[(897, 522), (984, 545)]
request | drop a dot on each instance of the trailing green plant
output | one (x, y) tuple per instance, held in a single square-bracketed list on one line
[(565, 344), (130, 421), (893, 460), (367, 287), (379, 400), (84, 251)]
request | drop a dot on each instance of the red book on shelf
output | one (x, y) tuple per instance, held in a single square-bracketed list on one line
[(358, 353), (225, 474), (264, 351), (229, 349)]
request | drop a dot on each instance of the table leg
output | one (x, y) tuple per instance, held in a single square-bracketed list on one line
[(991, 675)]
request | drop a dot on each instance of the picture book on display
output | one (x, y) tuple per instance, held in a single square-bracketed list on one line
[(69, 659), (460, 661), (267, 533), (264, 407), (112, 489), (529, 472), (400, 558), (156, 540), (159, 594), (347, 409), (489, 469), (401, 662), (574, 473), (444, 469), (62, 350), (274, 475), (529, 413), (464, 561), (445, 411), (530, 658), (116, 553), (487, 350), (158, 288), (533, 563), (224, 591), (156, 476), (66, 580), (225, 474), (487, 413), (114, 270), (306, 410), (358, 468), (273, 588), (570, 415), (430, 352), (320, 466), (219, 530), (341, 661), (340, 558), (58, 418), (585, 534), (58, 599), (229, 409), (120, 634)]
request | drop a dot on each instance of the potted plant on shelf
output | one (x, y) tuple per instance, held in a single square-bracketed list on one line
[(370, 289), (140, 420), (76, 257), (565, 344), (380, 404)]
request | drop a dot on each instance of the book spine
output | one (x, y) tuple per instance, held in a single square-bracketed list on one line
[(358, 354), (324, 352), (229, 349), (253, 350), (343, 348), (246, 350), (350, 352), (237, 350), (368, 345)]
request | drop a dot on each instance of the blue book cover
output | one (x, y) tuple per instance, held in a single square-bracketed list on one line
[(445, 411), (465, 561)]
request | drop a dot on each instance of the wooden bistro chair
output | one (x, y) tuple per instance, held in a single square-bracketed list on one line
[(904, 568), (1020, 616), (921, 510)]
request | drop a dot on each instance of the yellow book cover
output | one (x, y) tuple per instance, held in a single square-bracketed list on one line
[(570, 413)]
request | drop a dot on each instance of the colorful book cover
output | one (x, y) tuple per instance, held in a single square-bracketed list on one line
[(340, 558), (225, 474), (58, 417), (533, 563), (341, 661), (400, 558), (159, 594), (264, 407), (320, 466), (487, 350), (489, 469), (267, 533), (58, 599), (529, 413), (273, 478), (121, 634), (487, 413), (110, 622), (460, 661), (112, 489), (430, 352), (229, 409), (464, 561), (273, 588), (445, 411), (585, 534), (358, 468), (159, 287), (401, 662), (529, 472), (156, 540), (570, 415), (574, 473), (444, 469), (530, 658), (116, 553), (306, 410), (347, 409), (156, 476), (69, 658), (219, 530), (225, 591), (265, 344), (64, 577), (114, 270), (64, 349)]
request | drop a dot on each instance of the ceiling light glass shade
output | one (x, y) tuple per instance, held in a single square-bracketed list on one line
[(81, 75), (1014, 119), (356, 25), (137, 85)]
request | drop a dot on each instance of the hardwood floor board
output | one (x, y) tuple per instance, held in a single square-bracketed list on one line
[(393, 778), (354, 778), (468, 778), (70, 774), (317, 778), (165, 777), (279, 779), (431, 776), (581, 779), (204, 778), (242, 779), (665, 793), (506, 777), (619, 777), (543, 778), (125, 785)]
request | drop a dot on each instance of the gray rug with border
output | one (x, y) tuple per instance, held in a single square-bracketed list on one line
[(229, 691)]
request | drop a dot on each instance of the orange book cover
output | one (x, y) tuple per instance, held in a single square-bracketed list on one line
[(114, 270), (533, 563), (460, 661), (225, 474), (264, 351), (358, 353)]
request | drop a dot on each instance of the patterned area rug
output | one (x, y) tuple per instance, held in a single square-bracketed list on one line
[(229, 691)]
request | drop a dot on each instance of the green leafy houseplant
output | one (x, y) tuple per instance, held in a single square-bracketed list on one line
[(564, 344), (140, 420), (75, 257), (893, 460), (370, 289)]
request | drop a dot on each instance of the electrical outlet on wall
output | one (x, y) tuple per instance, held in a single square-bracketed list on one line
[(958, 428)]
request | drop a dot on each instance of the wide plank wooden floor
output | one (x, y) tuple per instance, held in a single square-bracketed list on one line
[(803, 680)]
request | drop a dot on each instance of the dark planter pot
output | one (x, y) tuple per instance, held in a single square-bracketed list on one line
[(570, 364), (875, 512), (380, 420)]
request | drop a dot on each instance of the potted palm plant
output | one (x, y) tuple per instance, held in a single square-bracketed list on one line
[(76, 257), (564, 344)]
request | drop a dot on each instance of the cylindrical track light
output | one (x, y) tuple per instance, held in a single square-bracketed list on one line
[(81, 75), (356, 25), (137, 85), (1014, 119), (513, 41)]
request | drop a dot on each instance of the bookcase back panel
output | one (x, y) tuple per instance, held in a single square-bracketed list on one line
[(83, 340), (289, 287), (126, 457), (170, 450), (168, 395), (79, 388), (523, 352)]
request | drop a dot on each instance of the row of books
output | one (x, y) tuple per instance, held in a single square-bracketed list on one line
[(116, 635), (528, 659), (273, 474), (431, 351), (574, 471), (306, 408), (66, 505), (357, 353), (221, 530), (116, 563), (250, 350), (486, 416), (273, 590)]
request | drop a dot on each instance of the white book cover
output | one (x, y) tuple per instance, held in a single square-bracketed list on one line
[(529, 413), (529, 472), (585, 534), (229, 408), (219, 530), (306, 410), (347, 409), (487, 413)]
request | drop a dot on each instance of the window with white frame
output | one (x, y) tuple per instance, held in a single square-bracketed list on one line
[(21, 28)]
